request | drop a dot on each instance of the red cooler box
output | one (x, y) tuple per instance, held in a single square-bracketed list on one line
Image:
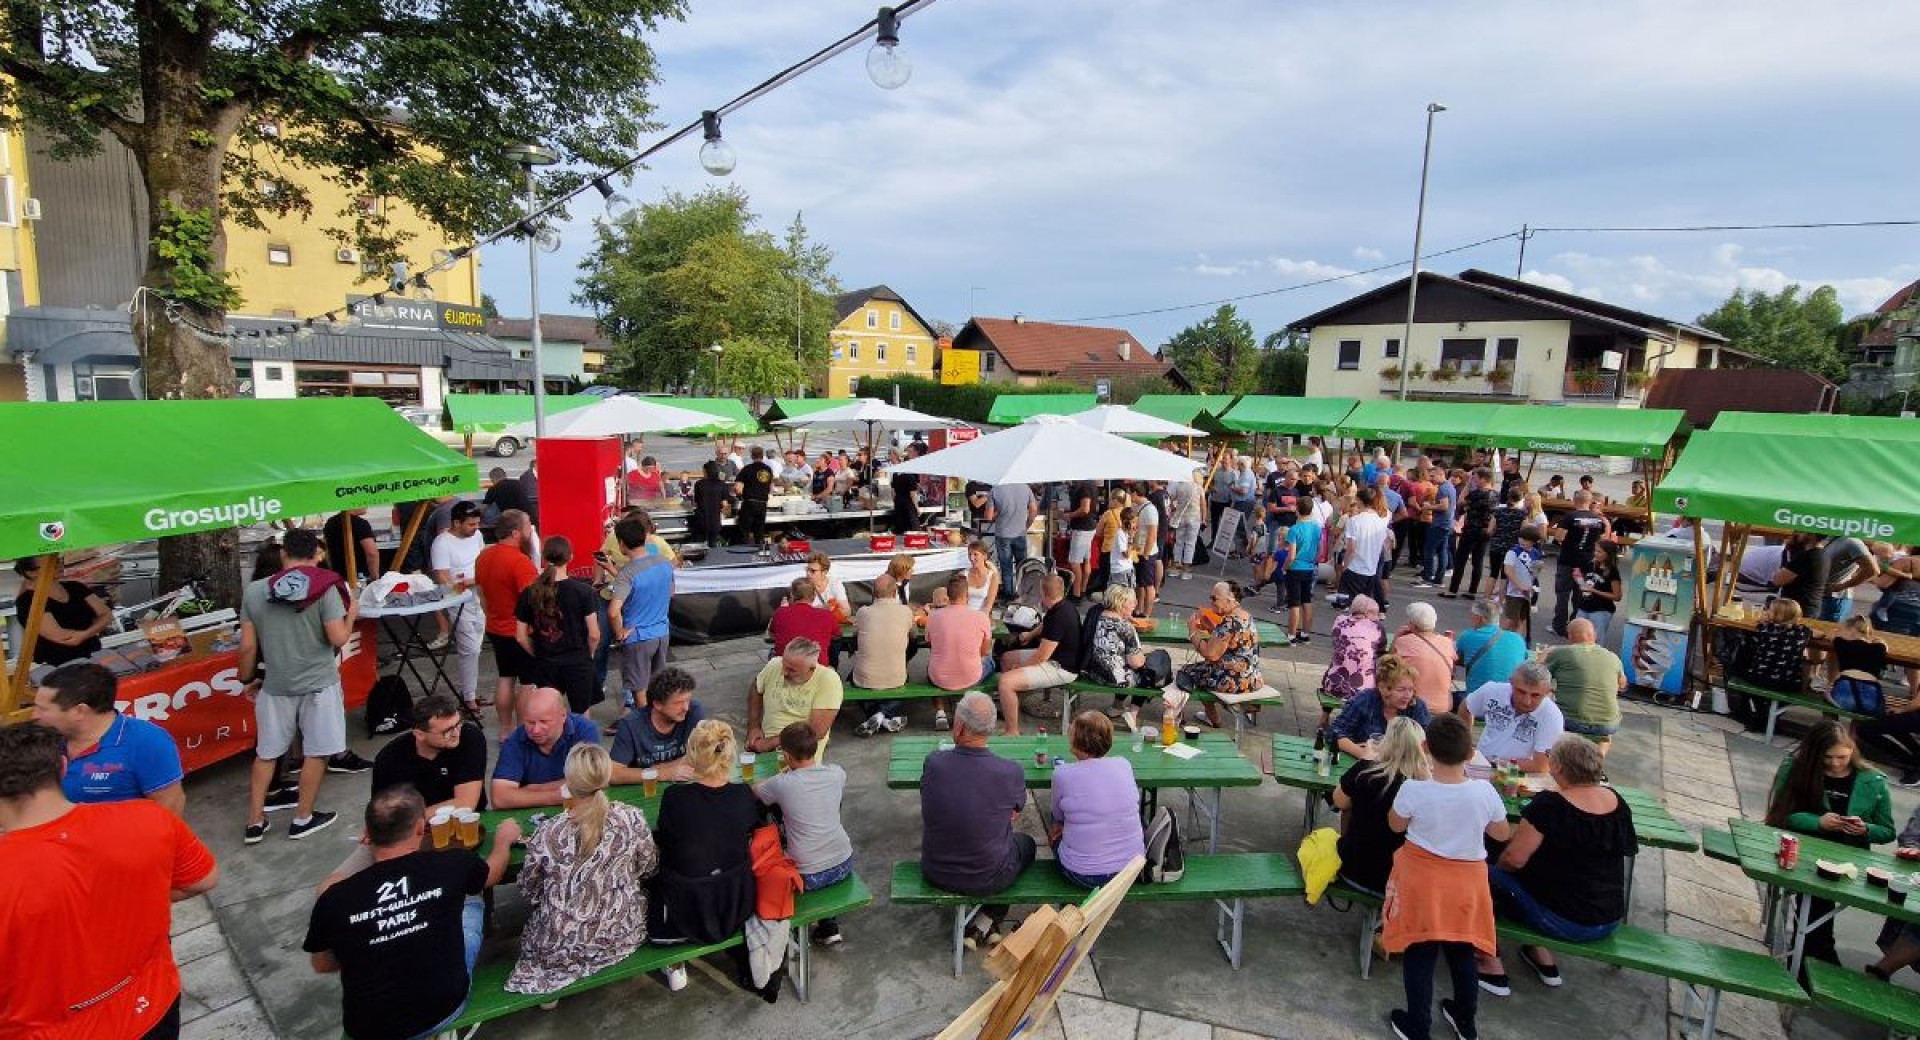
[(579, 493)]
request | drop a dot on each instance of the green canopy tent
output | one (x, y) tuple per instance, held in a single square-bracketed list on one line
[(1298, 416), (1014, 409), (1420, 422), (469, 412), (1769, 482), (1642, 433), (1870, 427), (134, 470), (1200, 411), (730, 416)]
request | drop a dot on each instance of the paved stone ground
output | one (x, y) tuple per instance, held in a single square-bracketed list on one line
[(1156, 972)]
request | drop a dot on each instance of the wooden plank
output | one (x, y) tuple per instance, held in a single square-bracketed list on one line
[(43, 581)]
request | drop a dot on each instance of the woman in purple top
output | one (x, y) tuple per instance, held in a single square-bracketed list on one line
[(1096, 807)]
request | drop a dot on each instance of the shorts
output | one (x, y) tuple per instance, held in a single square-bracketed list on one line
[(1299, 588), (1147, 573), (1036, 676), (1353, 583), (320, 718), (1125, 578), (640, 662), (1079, 546), (511, 659), (1592, 729), (1518, 609)]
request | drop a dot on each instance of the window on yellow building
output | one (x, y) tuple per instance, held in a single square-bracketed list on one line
[(893, 321), (910, 354), (368, 205), (853, 351), (280, 256), (873, 319), (879, 351)]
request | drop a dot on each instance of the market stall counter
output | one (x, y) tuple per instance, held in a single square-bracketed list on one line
[(734, 591)]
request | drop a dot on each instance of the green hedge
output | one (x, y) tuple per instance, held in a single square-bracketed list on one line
[(968, 403)]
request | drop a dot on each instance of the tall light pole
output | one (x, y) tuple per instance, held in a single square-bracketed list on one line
[(530, 156), (1419, 220), (717, 350)]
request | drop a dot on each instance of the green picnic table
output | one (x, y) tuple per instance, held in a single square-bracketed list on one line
[(1219, 766), (1758, 846), (765, 764), (1293, 767)]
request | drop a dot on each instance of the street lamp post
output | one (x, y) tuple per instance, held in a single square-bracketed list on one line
[(530, 156), (1419, 219), (717, 349)]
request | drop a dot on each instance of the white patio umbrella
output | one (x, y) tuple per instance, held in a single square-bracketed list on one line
[(619, 416), (1050, 448), (1119, 419), (867, 413)]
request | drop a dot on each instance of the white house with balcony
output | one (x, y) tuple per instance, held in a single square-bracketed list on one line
[(1479, 336)]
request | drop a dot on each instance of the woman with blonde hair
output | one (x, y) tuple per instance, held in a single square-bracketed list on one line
[(1365, 794), (585, 877), (704, 892), (1775, 659)]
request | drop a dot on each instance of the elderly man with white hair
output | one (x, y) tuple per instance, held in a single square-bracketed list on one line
[(1522, 719), (1587, 681), (1431, 654), (969, 800)]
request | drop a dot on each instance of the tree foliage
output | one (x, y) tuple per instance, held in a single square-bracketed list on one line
[(1785, 328), (691, 271), (1283, 364), (1217, 355)]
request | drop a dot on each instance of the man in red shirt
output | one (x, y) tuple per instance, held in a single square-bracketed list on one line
[(503, 571), (84, 894), (799, 617)]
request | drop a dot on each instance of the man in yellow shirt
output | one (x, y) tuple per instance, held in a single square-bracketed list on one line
[(793, 687)]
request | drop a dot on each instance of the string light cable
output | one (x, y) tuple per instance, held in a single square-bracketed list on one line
[(887, 66)]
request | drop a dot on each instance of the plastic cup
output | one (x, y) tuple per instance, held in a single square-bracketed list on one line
[(469, 822), (747, 761), (441, 825), (1193, 734), (649, 781)]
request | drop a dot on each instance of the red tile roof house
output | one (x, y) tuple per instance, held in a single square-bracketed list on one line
[(1015, 350)]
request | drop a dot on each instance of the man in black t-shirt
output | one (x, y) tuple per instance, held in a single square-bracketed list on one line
[(366, 555), (1803, 573), (1052, 657), (1476, 525), (1579, 532), (404, 932), (442, 756), (753, 485), (906, 488)]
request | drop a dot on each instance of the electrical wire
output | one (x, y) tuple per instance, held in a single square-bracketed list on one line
[(1741, 227)]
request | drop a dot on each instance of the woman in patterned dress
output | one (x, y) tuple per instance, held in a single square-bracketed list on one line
[(1358, 640), (1223, 635), (585, 876)]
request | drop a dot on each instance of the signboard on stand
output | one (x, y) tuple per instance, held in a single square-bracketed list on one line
[(1226, 538)]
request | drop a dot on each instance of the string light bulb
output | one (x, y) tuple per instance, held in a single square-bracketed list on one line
[(716, 156), (619, 207), (886, 65), (421, 289), (547, 239)]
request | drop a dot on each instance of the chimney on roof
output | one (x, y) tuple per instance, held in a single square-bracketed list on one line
[(1126, 350), (1019, 319)]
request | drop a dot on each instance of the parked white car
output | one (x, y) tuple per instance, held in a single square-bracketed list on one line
[(499, 441)]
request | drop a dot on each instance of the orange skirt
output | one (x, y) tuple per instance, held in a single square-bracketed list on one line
[(1433, 899)]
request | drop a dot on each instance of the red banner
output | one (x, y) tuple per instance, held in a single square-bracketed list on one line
[(200, 700)]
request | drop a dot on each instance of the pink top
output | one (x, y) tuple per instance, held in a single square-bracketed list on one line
[(1432, 656), (954, 634)]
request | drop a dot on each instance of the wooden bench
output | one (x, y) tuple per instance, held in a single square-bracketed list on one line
[(1864, 997), (1717, 843), (1705, 969), (1779, 701), (489, 999), (1228, 880)]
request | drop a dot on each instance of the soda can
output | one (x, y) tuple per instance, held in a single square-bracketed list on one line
[(1789, 855)]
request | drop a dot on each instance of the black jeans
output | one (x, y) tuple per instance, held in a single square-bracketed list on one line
[(1418, 966), (1470, 550), (752, 523), (1563, 589), (1892, 738)]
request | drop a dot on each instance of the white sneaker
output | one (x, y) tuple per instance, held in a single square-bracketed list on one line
[(676, 977), (871, 726), (894, 723), (941, 722)]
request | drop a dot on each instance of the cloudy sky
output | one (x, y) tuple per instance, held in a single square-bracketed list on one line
[(1075, 160)]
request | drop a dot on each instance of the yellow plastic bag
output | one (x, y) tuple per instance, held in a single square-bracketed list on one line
[(1319, 861)]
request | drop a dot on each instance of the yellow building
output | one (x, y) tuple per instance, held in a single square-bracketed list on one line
[(19, 270), (879, 334)]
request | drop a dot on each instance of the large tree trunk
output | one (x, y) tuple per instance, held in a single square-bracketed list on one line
[(184, 142)]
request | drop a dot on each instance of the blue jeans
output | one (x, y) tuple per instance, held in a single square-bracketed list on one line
[(1835, 608), (827, 877), (1439, 551), (473, 916), (1512, 900), (1010, 553), (1086, 880), (1602, 621)]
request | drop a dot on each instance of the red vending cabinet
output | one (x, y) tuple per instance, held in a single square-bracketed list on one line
[(579, 493)]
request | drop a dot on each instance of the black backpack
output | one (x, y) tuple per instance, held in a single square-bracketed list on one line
[(1166, 859), (389, 706)]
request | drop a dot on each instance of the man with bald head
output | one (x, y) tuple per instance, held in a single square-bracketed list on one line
[(1052, 654), (1579, 532), (1587, 680), (533, 758)]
